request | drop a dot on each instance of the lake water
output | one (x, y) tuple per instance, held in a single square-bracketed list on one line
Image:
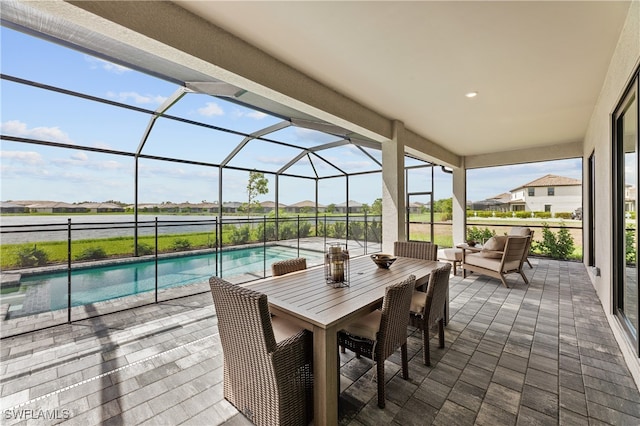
[(29, 229)]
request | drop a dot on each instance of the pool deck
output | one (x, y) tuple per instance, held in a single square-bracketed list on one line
[(537, 354)]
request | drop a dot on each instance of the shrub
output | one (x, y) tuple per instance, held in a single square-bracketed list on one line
[(339, 230), (240, 234), (630, 246), (479, 235), (92, 253), (356, 230), (180, 244), (305, 229), (558, 246), (288, 230), (374, 231), (564, 215), (144, 249), (31, 256)]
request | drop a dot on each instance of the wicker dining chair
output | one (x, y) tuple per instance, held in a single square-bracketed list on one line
[(379, 334), (416, 249), (268, 372), (287, 266), (427, 308), (421, 250)]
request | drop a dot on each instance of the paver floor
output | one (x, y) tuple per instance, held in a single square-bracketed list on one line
[(537, 354)]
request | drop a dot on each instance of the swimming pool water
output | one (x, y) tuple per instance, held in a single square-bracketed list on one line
[(49, 292)]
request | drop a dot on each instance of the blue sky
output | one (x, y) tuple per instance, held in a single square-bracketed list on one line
[(33, 172)]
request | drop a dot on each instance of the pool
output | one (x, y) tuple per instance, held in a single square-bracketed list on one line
[(48, 292)]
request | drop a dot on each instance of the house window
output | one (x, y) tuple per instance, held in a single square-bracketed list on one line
[(532, 192), (551, 191), (547, 208)]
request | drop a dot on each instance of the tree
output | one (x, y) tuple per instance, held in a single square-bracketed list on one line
[(365, 208), (331, 208), (257, 185), (376, 207)]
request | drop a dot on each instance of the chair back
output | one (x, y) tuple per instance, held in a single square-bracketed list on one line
[(416, 249), (287, 266), (437, 293), (523, 231), (244, 323), (395, 317), (514, 253)]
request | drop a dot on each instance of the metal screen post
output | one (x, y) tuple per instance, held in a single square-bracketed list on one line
[(366, 230), (264, 246), (325, 230), (156, 273), (69, 270), (298, 235)]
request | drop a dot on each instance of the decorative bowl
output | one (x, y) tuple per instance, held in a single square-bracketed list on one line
[(383, 260)]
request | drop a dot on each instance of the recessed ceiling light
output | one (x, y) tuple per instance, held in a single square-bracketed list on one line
[(471, 94)]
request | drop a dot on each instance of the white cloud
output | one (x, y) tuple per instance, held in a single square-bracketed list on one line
[(80, 156), (96, 63), (20, 129), (29, 158), (137, 98), (210, 109), (257, 115)]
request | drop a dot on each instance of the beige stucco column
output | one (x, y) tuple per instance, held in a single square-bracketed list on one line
[(393, 194), (459, 203)]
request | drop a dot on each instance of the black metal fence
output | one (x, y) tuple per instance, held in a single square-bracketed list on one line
[(84, 268)]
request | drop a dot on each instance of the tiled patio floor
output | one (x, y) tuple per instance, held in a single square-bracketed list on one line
[(537, 354)]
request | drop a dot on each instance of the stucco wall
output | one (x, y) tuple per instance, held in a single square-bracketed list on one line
[(566, 199), (598, 137)]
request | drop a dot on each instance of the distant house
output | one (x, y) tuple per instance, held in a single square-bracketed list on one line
[(499, 203), (269, 206), (549, 193), (305, 206), (6, 207), (55, 207), (231, 207), (353, 206), (101, 207), (630, 198), (416, 208)]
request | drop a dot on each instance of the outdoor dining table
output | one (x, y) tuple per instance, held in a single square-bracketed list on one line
[(304, 298)]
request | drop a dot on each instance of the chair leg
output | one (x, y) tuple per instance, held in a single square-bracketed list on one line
[(529, 263), (441, 332), (426, 356), (405, 361), (380, 378), (504, 281), (524, 277), (446, 309)]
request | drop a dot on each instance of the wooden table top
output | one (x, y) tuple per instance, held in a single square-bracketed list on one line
[(304, 294)]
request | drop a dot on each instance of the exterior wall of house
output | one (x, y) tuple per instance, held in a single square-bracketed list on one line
[(565, 199), (598, 139)]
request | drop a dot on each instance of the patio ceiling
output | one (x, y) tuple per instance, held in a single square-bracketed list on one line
[(538, 66)]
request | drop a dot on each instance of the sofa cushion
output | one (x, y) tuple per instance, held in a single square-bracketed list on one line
[(492, 254), (476, 259)]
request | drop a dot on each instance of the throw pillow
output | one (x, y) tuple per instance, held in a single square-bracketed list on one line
[(520, 230), (496, 243)]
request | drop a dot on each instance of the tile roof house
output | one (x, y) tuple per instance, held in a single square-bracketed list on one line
[(550, 193)]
